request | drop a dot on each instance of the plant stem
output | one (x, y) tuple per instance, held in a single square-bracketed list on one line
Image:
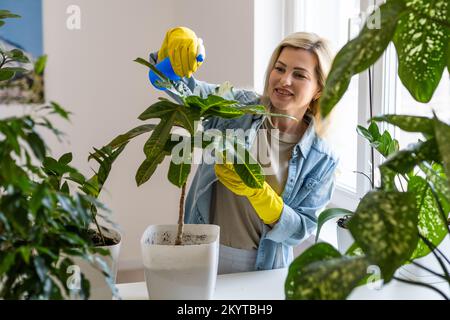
[(179, 239), (423, 285), (94, 217)]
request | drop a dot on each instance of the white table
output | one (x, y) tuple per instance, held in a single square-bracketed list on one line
[(269, 285)]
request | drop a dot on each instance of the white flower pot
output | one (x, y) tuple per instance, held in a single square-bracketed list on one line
[(99, 288), (412, 272), (344, 239), (187, 271)]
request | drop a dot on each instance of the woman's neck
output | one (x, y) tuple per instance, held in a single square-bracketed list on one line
[(287, 125)]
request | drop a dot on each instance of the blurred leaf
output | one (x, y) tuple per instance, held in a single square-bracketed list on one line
[(39, 65), (57, 109), (443, 138), (321, 273), (385, 227), (408, 123), (66, 158), (431, 224), (405, 160)]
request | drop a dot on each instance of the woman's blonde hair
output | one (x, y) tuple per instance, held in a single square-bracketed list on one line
[(310, 42)]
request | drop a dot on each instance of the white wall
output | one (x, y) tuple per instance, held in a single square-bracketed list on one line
[(91, 72)]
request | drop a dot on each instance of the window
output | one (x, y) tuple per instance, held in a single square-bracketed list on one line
[(404, 103)]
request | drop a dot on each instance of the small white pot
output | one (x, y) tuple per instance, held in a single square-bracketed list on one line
[(187, 271), (344, 239), (412, 272), (99, 288)]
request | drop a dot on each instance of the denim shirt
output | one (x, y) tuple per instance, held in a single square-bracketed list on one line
[(308, 188)]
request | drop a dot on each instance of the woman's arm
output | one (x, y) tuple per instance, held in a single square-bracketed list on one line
[(295, 224)]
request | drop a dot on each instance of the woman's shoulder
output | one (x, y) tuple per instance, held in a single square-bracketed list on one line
[(322, 147)]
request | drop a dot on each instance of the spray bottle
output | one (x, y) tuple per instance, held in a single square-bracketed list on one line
[(166, 67)]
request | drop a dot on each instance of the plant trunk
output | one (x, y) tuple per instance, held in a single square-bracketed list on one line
[(94, 217), (179, 239)]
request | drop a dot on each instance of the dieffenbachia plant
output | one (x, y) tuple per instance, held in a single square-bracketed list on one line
[(394, 224), (420, 31), (407, 216), (187, 115)]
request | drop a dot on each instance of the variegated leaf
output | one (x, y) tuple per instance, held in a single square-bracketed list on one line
[(385, 226)]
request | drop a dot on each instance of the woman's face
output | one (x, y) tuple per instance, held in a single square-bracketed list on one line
[(293, 81)]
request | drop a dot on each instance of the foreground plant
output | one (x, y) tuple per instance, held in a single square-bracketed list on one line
[(44, 224), (406, 216)]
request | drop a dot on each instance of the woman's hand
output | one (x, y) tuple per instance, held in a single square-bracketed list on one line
[(180, 45), (266, 202)]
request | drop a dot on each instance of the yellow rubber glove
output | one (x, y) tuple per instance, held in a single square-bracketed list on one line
[(266, 202), (180, 45)]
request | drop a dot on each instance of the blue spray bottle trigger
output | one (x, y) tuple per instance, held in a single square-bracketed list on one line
[(166, 67)]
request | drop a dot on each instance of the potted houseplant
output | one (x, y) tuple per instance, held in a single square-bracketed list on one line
[(393, 224), (385, 146), (45, 227), (181, 260)]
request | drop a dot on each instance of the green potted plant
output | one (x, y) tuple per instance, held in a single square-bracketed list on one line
[(385, 146), (46, 228), (392, 225), (181, 260)]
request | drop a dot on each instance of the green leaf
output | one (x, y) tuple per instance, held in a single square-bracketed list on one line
[(226, 112), (143, 62), (421, 41), (6, 74), (204, 104), (363, 132), (37, 145), (25, 251), (4, 14), (329, 214), (405, 160), (57, 109), (443, 138), (387, 179), (178, 173), (17, 55), (318, 252), (36, 199), (155, 144), (408, 123), (360, 53), (124, 138), (53, 166), (321, 273), (147, 168), (66, 158), (39, 65), (158, 110), (7, 260), (431, 224), (188, 119), (247, 168), (385, 227)]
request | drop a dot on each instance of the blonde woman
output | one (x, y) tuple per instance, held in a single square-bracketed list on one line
[(260, 227)]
